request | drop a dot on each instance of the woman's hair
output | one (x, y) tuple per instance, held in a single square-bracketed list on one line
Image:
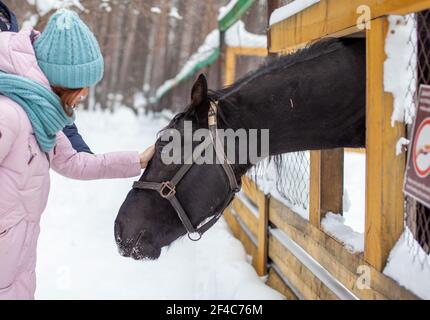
[(69, 97)]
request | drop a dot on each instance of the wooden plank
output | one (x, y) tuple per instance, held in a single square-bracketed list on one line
[(314, 188), (262, 234), (253, 52), (251, 190), (231, 53), (271, 6), (239, 233), (333, 256), (334, 18), (355, 150), (331, 181), (300, 276), (250, 220), (384, 170), (326, 184), (275, 281), (345, 271), (301, 231), (230, 66)]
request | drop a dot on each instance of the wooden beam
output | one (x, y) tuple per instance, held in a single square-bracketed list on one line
[(315, 189), (326, 184), (262, 234), (308, 284), (384, 170), (272, 5), (240, 234), (246, 215), (334, 257), (276, 282), (251, 190), (231, 54), (355, 150), (334, 18), (230, 66), (251, 52)]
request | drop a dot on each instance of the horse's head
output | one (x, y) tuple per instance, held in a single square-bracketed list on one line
[(146, 221)]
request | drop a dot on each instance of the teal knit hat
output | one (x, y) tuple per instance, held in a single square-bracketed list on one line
[(68, 52)]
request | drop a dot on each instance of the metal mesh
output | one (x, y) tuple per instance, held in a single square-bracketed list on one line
[(293, 179), (417, 215), (286, 177)]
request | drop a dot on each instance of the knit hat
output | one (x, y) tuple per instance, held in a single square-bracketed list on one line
[(68, 52)]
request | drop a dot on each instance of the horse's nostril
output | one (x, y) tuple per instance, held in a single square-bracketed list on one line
[(117, 232)]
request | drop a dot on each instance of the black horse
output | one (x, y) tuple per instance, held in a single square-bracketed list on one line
[(313, 99)]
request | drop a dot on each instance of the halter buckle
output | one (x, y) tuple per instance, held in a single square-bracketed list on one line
[(195, 236), (167, 190)]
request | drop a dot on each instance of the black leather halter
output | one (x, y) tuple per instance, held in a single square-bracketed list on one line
[(167, 189)]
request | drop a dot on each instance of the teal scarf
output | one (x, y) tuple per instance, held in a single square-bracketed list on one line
[(43, 107)]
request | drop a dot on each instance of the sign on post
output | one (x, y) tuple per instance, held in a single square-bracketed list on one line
[(417, 179)]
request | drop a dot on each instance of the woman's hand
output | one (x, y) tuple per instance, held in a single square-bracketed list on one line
[(146, 156)]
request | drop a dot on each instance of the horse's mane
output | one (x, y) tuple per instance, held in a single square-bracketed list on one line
[(279, 64), (272, 65)]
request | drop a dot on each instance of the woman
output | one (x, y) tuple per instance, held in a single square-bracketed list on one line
[(42, 77)]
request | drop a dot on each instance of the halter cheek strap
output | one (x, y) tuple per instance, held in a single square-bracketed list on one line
[(167, 189)]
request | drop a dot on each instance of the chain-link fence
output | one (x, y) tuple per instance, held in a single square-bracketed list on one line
[(417, 215), (286, 177), (293, 172)]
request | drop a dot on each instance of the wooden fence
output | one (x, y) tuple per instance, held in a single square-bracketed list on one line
[(300, 259)]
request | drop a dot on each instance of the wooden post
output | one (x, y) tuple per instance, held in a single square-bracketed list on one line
[(326, 184), (272, 5), (262, 233), (384, 170), (230, 66)]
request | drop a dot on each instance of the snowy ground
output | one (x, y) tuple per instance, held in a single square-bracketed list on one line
[(77, 256)]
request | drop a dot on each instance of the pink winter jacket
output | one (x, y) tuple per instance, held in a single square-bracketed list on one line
[(24, 172)]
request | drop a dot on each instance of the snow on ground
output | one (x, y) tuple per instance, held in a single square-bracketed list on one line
[(77, 255), (290, 10), (405, 265)]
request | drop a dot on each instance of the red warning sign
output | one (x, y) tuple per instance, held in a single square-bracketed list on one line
[(417, 179)]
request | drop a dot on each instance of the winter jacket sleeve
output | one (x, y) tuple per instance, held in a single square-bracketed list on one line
[(76, 139), (9, 129), (84, 166)]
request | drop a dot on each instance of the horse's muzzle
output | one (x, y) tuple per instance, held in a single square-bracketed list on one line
[(123, 248)]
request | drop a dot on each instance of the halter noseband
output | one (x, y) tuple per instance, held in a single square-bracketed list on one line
[(167, 189)]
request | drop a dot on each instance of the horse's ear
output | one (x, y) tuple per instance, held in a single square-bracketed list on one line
[(199, 93)]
